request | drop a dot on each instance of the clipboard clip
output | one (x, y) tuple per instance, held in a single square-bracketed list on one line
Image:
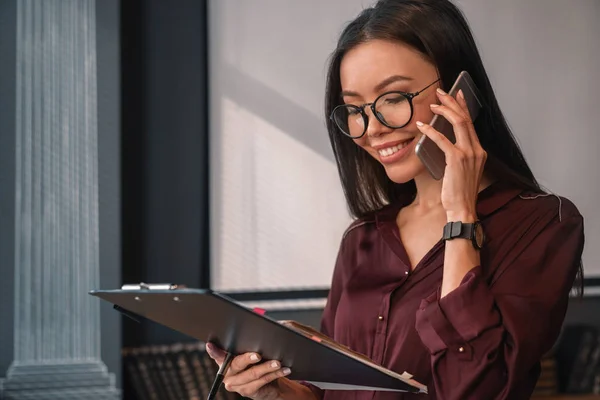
[(151, 286), (144, 286)]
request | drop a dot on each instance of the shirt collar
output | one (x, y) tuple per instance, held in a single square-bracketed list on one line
[(494, 197)]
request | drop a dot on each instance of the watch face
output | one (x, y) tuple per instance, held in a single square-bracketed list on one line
[(479, 235)]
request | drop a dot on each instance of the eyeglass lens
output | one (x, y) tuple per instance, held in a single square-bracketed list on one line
[(393, 109)]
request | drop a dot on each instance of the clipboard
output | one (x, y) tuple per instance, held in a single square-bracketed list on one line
[(209, 316)]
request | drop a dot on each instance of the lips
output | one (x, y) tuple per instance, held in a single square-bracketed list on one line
[(388, 151), (394, 151)]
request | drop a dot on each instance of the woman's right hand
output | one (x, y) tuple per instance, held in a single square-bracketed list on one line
[(257, 380)]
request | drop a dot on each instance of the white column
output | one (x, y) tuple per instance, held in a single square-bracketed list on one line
[(57, 324)]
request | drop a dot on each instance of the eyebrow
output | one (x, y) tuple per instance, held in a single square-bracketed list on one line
[(380, 86)]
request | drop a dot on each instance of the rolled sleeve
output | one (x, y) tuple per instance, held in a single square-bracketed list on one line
[(461, 316), (485, 337)]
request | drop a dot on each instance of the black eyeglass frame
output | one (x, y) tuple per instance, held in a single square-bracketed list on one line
[(361, 109)]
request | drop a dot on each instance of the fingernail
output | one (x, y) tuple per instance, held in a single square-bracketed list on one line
[(274, 364), (461, 95), (209, 348), (440, 91), (254, 357), (286, 371), (419, 123), (434, 105)]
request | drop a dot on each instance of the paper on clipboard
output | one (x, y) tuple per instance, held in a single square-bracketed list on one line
[(338, 386), (318, 336)]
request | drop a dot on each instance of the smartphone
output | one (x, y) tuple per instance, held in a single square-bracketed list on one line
[(430, 154)]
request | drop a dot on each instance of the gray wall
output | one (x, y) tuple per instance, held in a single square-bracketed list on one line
[(8, 40), (164, 145), (109, 170), (273, 176)]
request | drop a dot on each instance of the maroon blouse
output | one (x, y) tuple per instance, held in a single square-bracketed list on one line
[(485, 339)]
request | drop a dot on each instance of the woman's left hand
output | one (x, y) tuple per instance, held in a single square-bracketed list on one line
[(465, 159)]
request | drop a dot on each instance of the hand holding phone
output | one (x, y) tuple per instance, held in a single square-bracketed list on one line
[(430, 154)]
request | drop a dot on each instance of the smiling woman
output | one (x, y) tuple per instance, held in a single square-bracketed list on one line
[(404, 70), (434, 277), (376, 53)]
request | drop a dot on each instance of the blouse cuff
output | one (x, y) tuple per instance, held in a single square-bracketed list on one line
[(461, 316)]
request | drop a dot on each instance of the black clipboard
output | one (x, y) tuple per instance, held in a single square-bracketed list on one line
[(212, 317)]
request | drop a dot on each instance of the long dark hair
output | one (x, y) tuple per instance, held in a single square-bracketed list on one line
[(438, 30)]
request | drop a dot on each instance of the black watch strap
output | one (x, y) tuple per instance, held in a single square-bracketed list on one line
[(461, 230), (458, 230)]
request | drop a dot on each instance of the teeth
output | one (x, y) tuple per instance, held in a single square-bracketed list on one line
[(391, 150)]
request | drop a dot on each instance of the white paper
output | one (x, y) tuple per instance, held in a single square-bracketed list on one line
[(342, 386)]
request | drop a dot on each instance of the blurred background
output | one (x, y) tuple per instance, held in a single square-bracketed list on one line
[(184, 142)]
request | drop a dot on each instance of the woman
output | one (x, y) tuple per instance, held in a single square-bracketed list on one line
[(471, 320)]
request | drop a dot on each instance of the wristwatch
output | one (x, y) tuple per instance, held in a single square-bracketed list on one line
[(461, 230)]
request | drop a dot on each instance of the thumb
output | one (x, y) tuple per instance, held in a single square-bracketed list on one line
[(215, 353)]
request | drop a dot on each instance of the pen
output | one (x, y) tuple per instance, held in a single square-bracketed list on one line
[(220, 375), (126, 313)]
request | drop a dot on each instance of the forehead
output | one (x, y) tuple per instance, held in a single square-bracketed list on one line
[(367, 64)]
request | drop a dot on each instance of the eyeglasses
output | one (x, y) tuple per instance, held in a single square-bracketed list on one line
[(392, 109)]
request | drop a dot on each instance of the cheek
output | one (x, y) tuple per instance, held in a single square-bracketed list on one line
[(363, 142), (422, 110), (423, 113)]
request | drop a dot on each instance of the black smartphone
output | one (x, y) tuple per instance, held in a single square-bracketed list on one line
[(430, 154)]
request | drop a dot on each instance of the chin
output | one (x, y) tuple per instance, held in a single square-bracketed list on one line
[(406, 171)]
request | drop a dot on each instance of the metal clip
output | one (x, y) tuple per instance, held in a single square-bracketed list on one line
[(150, 286)]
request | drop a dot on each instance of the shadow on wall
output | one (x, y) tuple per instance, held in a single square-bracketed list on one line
[(271, 106)]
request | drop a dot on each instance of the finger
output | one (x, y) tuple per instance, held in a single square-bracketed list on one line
[(450, 102), (478, 150), (460, 98), (458, 105), (242, 362), (215, 353), (251, 389), (442, 141), (254, 373), (460, 124)]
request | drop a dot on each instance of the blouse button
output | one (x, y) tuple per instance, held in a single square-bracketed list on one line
[(461, 349), (380, 317)]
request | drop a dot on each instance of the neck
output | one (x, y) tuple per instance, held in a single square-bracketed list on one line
[(429, 191)]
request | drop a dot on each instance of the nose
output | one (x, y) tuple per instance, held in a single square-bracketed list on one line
[(375, 128)]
